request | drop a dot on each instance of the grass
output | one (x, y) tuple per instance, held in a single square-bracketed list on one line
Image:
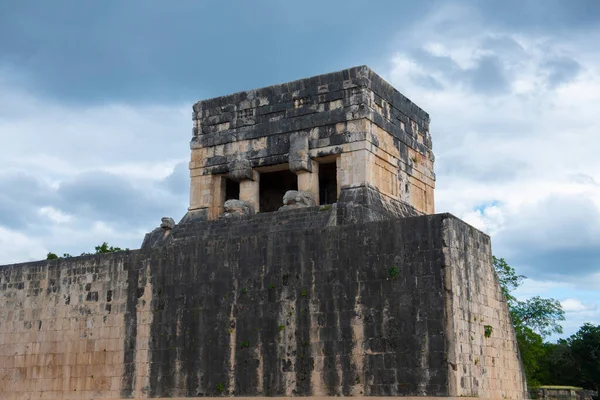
[(560, 387)]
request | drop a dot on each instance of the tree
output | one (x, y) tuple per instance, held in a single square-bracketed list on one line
[(585, 352), (533, 353), (558, 366), (533, 320), (539, 314), (105, 248), (574, 361), (509, 280), (101, 249), (543, 316)]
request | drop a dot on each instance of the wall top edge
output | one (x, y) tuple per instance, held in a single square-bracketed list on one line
[(361, 76)]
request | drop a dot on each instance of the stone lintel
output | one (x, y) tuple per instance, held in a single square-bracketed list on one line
[(240, 169)]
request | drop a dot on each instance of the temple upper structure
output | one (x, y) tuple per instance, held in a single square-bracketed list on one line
[(344, 136)]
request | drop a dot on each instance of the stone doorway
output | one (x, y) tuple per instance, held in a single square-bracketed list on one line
[(273, 186), (327, 183)]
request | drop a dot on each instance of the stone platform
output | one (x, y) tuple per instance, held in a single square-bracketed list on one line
[(399, 307)]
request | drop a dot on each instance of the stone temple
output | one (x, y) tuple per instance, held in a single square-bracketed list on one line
[(309, 263)]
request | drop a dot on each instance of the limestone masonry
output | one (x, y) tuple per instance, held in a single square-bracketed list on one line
[(309, 263), (349, 127)]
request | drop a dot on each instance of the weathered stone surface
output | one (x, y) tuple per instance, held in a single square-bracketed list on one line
[(240, 169), (351, 114), (294, 199), (365, 203), (298, 155), (155, 238), (237, 208), (167, 223), (482, 349), (263, 307), (159, 236)]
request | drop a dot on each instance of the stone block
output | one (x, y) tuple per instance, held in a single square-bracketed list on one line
[(240, 169), (167, 223), (237, 208), (299, 158), (294, 199)]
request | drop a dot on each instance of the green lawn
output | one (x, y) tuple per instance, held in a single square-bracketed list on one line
[(560, 387)]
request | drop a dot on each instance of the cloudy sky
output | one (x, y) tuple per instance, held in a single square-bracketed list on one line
[(95, 114)]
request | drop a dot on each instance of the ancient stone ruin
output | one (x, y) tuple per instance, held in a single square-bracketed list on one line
[(310, 263)]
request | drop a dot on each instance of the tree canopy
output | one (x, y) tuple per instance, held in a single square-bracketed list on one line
[(573, 362), (100, 249)]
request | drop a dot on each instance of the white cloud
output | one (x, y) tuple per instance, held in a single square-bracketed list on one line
[(55, 215), (519, 162), (532, 287), (64, 140), (575, 305), (488, 218), (17, 247), (74, 176)]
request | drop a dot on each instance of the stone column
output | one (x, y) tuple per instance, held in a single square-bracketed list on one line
[(309, 181), (207, 192), (201, 190), (354, 168), (249, 190)]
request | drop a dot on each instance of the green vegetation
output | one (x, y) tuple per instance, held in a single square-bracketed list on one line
[(488, 330), (574, 361), (560, 387), (393, 272), (101, 249), (220, 387), (105, 248)]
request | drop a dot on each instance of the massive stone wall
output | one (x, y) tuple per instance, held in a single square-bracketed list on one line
[(376, 135), (249, 308), (63, 327), (481, 343)]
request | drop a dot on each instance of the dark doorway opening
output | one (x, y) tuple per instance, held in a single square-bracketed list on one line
[(232, 189), (327, 183), (273, 186)]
